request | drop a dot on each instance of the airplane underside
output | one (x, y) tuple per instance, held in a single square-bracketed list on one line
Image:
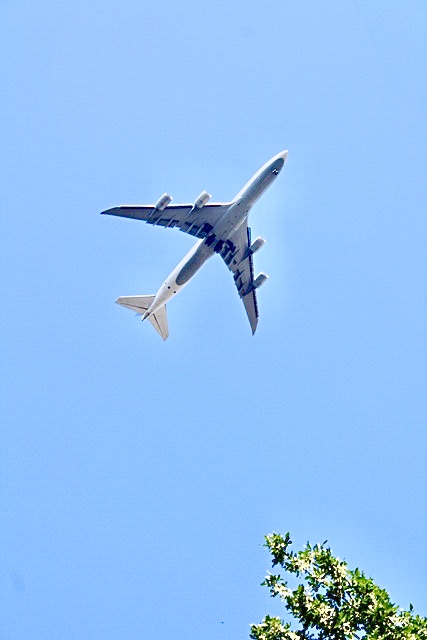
[(220, 228)]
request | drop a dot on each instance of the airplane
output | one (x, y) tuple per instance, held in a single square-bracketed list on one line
[(222, 227)]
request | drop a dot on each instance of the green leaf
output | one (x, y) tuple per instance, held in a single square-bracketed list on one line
[(331, 602)]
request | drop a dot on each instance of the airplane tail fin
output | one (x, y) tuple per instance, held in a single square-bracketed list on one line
[(141, 304)]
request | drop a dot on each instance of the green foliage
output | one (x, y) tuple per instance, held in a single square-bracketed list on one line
[(331, 602)]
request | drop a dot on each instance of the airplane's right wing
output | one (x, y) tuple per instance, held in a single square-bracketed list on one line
[(197, 221)]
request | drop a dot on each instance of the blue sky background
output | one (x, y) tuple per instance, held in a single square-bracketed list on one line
[(138, 478)]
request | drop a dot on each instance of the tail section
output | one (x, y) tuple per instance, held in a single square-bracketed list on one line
[(141, 304), (159, 321)]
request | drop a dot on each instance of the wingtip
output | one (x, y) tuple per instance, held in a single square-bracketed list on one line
[(114, 211), (254, 323)]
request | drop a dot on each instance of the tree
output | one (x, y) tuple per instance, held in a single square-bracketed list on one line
[(331, 601)]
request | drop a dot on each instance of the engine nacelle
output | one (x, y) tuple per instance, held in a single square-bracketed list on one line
[(163, 202), (257, 244), (260, 279), (202, 200)]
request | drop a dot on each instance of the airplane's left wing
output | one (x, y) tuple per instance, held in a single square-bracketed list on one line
[(237, 254), (197, 221)]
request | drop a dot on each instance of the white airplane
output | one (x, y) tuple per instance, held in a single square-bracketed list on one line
[(221, 227)]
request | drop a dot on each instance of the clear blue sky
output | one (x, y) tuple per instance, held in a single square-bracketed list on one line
[(139, 477)]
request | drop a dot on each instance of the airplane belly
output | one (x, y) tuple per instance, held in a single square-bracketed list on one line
[(228, 225), (193, 264)]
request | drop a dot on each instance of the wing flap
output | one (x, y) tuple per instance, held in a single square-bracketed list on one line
[(251, 306)]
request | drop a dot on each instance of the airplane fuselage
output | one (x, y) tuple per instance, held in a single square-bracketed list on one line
[(234, 216)]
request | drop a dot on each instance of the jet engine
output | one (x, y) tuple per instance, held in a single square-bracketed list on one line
[(257, 244), (163, 202), (260, 279), (202, 200)]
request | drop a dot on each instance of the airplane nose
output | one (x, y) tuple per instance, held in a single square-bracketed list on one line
[(278, 162), (277, 166)]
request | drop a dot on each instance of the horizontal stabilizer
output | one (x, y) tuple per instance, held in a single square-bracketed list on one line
[(141, 304), (159, 321)]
